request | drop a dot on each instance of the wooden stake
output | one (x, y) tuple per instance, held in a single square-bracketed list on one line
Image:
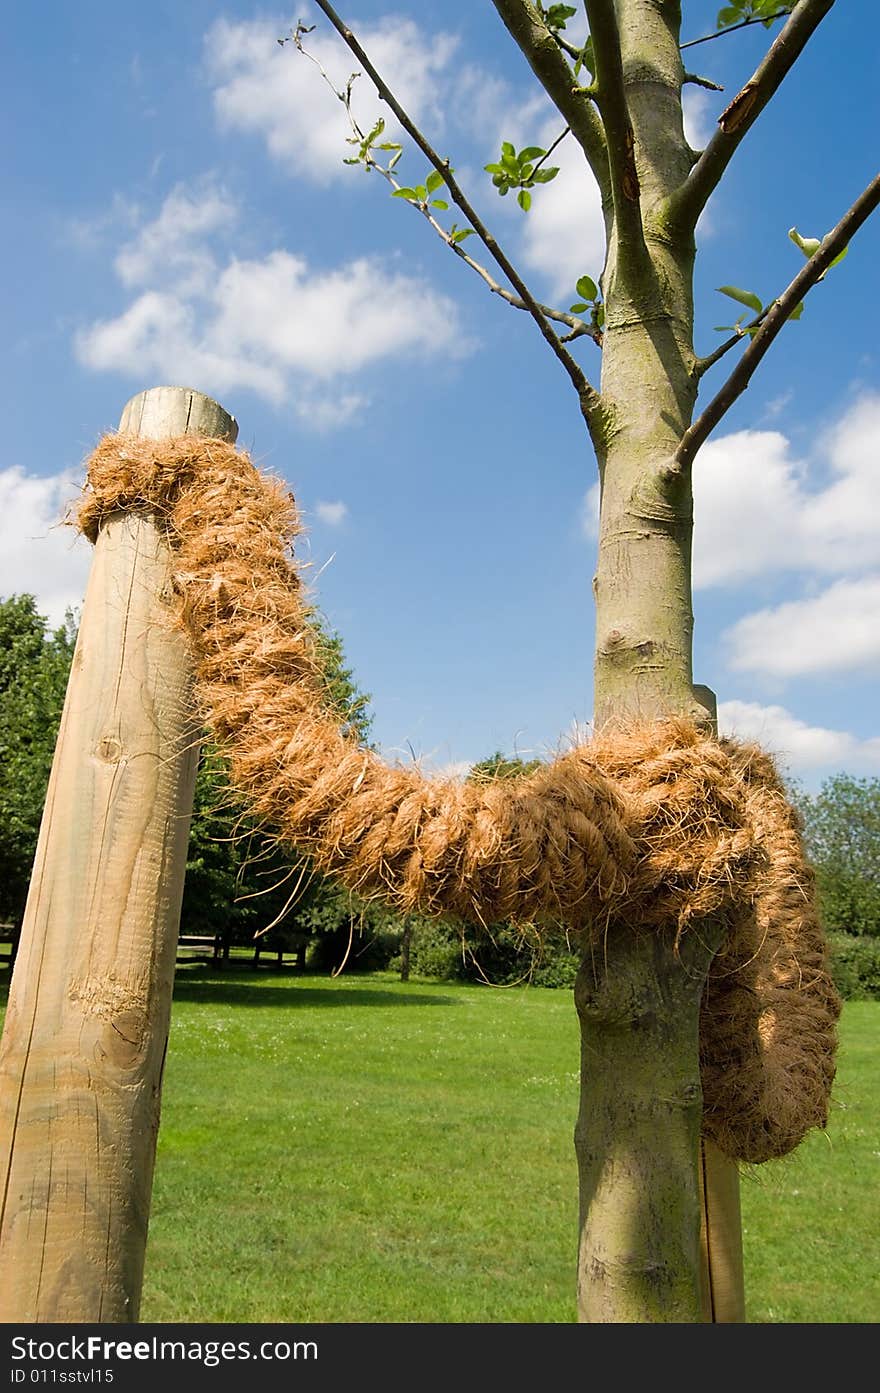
[(722, 1281), (721, 1254), (86, 1029)]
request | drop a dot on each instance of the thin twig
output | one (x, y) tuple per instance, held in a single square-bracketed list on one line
[(731, 28), (777, 314), (566, 45), (702, 365), (696, 81), (579, 327), (689, 200), (548, 152), (588, 396)]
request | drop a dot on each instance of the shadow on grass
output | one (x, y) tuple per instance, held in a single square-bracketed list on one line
[(194, 985), (233, 991)]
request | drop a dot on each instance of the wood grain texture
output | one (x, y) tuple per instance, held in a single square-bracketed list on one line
[(86, 1030)]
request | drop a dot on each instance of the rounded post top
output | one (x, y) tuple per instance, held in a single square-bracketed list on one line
[(163, 411)]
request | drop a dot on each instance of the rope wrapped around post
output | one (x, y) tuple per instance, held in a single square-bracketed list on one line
[(658, 826)]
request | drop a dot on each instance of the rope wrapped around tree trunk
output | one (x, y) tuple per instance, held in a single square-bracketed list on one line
[(657, 826)]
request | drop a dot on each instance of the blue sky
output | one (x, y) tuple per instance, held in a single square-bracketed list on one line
[(177, 210)]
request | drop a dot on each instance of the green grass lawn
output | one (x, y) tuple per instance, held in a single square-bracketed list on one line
[(360, 1150)]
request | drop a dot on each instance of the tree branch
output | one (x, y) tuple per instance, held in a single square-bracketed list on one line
[(775, 318), (612, 104), (690, 199), (588, 396), (540, 50)]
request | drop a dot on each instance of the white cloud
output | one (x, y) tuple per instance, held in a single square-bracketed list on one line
[(323, 412), (590, 511), (697, 111), (333, 514), (276, 93), (173, 247), (755, 511), (563, 236), (796, 744), (162, 336), (836, 631), (39, 556), (265, 324), (331, 322)]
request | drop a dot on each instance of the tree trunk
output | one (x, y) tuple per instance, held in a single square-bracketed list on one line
[(638, 1131), (405, 947), (640, 1160)]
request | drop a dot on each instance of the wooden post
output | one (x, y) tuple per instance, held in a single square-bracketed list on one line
[(86, 1030), (721, 1253), (722, 1281)]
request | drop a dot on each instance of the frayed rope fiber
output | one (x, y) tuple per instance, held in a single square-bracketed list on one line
[(657, 826)]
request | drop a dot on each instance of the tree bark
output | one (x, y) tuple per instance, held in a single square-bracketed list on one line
[(638, 1131)]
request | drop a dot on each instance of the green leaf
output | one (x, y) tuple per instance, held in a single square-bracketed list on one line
[(808, 245), (524, 199), (511, 163), (493, 168), (797, 311), (556, 16), (434, 181), (507, 148), (421, 192), (599, 315), (731, 14), (744, 297), (404, 193), (389, 145), (460, 233), (543, 176), (587, 288), (439, 203), (578, 308), (531, 152), (837, 260)]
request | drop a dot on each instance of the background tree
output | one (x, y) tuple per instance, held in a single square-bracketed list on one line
[(842, 823), (238, 880), (619, 97), (34, 666)]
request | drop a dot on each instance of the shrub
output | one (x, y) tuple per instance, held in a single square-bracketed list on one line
[(855, 966)]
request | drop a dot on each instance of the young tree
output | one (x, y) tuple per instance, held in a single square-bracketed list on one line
[(619, 96)]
